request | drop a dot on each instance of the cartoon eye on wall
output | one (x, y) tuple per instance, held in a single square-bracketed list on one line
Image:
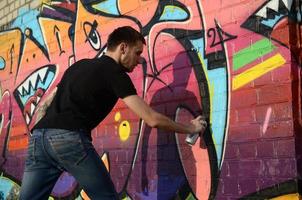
[(92, 35), (2, 63)]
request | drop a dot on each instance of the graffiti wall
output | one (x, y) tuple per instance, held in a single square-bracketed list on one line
[(238, 63)]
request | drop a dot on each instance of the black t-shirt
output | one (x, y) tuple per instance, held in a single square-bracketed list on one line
[(88, 91)]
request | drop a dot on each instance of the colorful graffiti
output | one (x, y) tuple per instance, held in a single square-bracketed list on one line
[(199, 59)]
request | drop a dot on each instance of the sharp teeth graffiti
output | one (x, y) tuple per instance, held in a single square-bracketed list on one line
[(195, 62), (266, 18), (276, 19)]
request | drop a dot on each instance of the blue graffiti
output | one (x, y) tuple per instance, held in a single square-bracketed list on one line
[(173, 13), (43, 84), (29, 19), (272, 22), (108, 6), (217, 81), (2, 63), (6, 186)]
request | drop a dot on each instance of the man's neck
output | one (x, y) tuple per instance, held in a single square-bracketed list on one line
[(114, 56)]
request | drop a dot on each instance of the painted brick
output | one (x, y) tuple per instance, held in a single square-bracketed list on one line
[(250, 98), (186, 153), (281, 30), (110, 143), (152, 154), (274, 112), (285, 148), (220, 189), (283, 111), (162, 139), (255, 157), (274, 94), (265, 149), (233, 117), (282, 74), (279, 129), (246, 186), (233, 167), (231, 151), (262, 111), (289, 168), (246, 115), (266, 79), (249, 168), (244, 132), (265, 183), (283, 168), (231, 186), (226, 16), (170, 153), (247, 150)]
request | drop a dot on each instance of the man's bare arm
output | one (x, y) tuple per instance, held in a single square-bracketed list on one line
[(157, 120), (42, 108)]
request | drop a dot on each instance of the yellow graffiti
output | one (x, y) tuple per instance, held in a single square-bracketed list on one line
[(288, 197), (257, 71), (46, 1), (117, 116), (124, 127), (124, 130), (126, 198)]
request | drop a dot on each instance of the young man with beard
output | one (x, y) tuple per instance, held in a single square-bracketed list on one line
[(89, 89)]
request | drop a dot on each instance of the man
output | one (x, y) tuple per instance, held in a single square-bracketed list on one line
[(89, 89)]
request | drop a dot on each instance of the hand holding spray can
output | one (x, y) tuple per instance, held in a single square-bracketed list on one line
[(192, 138)]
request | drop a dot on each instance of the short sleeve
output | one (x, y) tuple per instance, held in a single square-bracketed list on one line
[(122, 85)]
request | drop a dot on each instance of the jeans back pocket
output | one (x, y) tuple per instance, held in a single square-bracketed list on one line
[(68, 147)]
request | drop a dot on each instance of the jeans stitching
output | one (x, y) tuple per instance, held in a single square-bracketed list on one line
[(31, 158), (47, 154), (59, 156), (34, 150)]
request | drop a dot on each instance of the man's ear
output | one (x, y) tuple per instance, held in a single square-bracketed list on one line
[(123, 46)]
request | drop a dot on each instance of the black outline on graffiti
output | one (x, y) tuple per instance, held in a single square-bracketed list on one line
[(56, 32)]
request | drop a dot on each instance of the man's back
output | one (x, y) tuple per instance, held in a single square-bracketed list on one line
[(86, 94)]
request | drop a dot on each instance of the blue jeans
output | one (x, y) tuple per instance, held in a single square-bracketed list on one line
[(52, 151)]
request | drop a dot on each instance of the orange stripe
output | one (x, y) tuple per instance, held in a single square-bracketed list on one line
[(17, 144)]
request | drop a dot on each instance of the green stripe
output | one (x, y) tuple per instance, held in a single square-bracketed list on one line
[(250, 54)]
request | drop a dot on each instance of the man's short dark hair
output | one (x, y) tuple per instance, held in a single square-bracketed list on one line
[(125, 34)]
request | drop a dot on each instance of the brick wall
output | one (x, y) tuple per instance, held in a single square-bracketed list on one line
[(236, 62), (9, 10)]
